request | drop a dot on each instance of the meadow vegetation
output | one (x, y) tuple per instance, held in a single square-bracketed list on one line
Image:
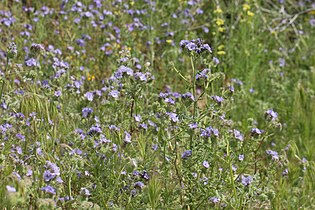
[(142, 104)]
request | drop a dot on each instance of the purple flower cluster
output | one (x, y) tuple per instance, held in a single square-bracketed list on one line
[(272, 115), (209, 131), (195, 45)]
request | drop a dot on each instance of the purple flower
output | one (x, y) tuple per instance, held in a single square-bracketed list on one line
[(127, 137), (53, 168), (202, 74), (246, 180), (241, 157), (238, 135), (58, 93), (85, 191), (114, 93), (137, 118), (285, 172), (256, 131), (86, 112), (191, 46), (31, 62), (214, 199), (271, 115), (274, 154), (155, 147), (281, 62), (196, 46), (10, 189), (188, 95), (20, 136), (206, 164), (49, 189), (139, 185), (94, 130), (193, 125), (173, 116), (216, 60), (218, 99), (207, 132), (80, 42), (48, 176), (89, 96), (186, 154)]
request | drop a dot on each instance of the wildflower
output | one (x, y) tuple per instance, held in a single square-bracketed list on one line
[(241, 157), (114, 93), (271, 115), (31, 62), (196, 46), (214, 199), (20, 136), (89, 96), (12, 51), (86, 112), (207, 132), (251, 14), (154, 147), (246, 7), (137, 118), (246, 180), (145, 175), (49, 189), (10, 189), (188, 95), (94, 130), (216, 60), (127, 137), (202, 74), (85, 192), (193, 125), (238, 135), (173, 116), (218, 99), (139, 185), (186, 154), (274, 154), (58, 93), (256, 131), (48, 176), (219, 22), (53, 168), (206, 164)]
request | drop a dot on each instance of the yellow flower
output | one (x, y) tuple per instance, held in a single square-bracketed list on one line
[(90, 77), (132, 3), (218, 10), (221, 29), (169, 41), (221, 47), (219, 22), (221, 52), (246, 7), (251, 14), (312, 12)]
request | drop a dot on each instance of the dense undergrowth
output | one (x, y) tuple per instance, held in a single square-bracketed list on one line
[(157, 104)]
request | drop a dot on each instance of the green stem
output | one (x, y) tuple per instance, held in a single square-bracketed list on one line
[(231, 170), (195, 97), (3, 82), (194, 86)]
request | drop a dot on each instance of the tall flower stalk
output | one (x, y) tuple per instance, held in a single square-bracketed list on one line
[(11, 53)]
